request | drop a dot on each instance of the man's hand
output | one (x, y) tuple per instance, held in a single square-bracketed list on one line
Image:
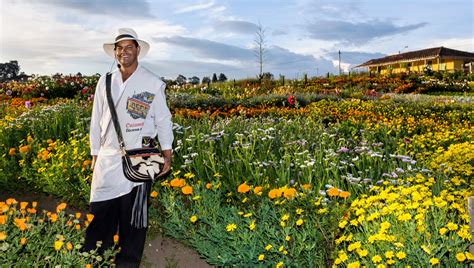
[(94, 159), (167, 166)]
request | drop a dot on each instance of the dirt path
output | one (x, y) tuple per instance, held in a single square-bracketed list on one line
[(160, 251)]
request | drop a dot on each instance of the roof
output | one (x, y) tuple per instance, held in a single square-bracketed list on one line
[(424, 54)]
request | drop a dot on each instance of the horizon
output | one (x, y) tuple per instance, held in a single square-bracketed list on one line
[(199, 38)]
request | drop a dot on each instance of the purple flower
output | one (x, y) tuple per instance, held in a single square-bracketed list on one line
[(28, 104), (343, 150), (9, 92)]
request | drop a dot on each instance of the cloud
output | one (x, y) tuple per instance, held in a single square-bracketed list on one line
[(356, 32), (197, 7), (279, 32), (237, 26), (354, 57), (208, 49), (123, 8)]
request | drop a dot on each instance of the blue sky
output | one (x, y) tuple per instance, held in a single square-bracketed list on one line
[(211, 36)]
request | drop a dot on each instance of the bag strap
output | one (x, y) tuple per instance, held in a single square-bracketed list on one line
[(113, 112)]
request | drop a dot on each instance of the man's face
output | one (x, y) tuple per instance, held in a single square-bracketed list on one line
[(126, 52)]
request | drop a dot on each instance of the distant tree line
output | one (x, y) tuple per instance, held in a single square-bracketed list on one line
[(194, 80)]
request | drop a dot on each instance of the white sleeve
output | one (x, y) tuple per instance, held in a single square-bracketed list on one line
[(97, 107), (163, 123)]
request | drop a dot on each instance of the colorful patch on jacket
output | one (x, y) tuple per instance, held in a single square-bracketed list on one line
[(139, 104)]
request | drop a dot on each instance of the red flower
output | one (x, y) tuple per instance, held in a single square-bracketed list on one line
[(291, 100)]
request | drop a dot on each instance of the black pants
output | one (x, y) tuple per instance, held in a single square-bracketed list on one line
[(111, 216)]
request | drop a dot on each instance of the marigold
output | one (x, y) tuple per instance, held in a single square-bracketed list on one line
[(90, 217), (154, 194), (344, 194), (11, 151), (257, 190), (243, 188), (274, 193), (187, 190), (208, 185), (24, 149), (460, 257), (3, 219), (61, 207), (289, 193), (23, 241), (333, 192), (116, 238), (69, 246)]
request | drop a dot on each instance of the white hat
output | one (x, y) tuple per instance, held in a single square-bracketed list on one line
[(126, 34)]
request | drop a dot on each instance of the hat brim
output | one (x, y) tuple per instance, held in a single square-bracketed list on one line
[(144, 47)]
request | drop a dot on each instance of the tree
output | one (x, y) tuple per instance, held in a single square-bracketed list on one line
[(181, 80), (9, 70), (193, 80), (206, 80), (260, 50), (222, 77), (214, 78)]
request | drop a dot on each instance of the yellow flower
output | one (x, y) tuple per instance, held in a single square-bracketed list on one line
[(285, 217), (58, 244), (362, 252), (426, 249), (442, 231), (299, 222), (353, 265), (401, 255), (434, 261), (3, 236), (299, 211), (452, 226), (278, 265), (469, 256), (231, 227), (389, 254), (376, 259), (257, 190), (287, 238), (154, 194), (261, 257), (342, 224), (461, 257), (193, 219), (354, 246), (268, 247), (252, 225)]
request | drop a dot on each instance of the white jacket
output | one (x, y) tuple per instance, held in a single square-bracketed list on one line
[(142, 111)]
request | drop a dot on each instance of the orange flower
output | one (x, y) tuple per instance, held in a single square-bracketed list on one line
[(208, 185), (154, 194), (29, 139), (289, 193), (78, 227), (24, 149), (61, 207), (90, 217), (243, 188), (53, 217), (116, 238), (88, 266), (344, 194), (69, 246), (11, 201), (257, 190), (34, 204), (11, 151), (187, 190), (20, 223), (177, 182), (31, 210), (333, 191), (3, 219), (78, 215), (22, 241), (274, 193), (306, 186), (23, 205)]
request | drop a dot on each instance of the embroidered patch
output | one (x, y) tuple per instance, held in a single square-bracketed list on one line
[(139, 104)]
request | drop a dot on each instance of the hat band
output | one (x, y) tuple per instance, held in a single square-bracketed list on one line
[(124, 36)]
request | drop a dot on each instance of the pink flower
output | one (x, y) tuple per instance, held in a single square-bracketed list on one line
[(28, 104)]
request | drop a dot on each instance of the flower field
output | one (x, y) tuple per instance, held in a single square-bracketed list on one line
[(299, 177)]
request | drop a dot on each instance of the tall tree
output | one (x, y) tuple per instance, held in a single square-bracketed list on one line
[(222, 77), (181, 79), (214, 78), (9, 70), (260, 47)]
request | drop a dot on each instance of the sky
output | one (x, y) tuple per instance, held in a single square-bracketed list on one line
[(199, 38)]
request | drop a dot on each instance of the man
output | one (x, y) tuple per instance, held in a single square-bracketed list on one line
[(140, 102)]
